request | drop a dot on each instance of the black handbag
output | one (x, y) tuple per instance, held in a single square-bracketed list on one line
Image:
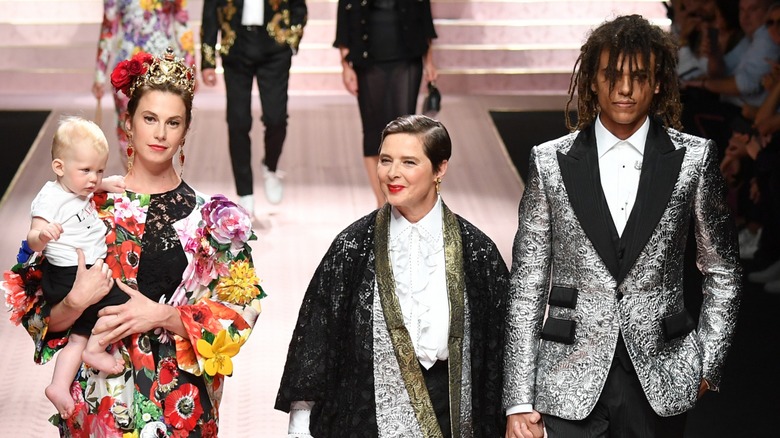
[(432, 103)]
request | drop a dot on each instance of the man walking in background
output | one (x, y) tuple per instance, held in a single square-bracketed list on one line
[(257, 41)]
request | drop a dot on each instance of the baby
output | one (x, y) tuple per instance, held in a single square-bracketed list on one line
[(63, 219)]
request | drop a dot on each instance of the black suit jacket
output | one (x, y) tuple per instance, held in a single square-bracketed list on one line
[(352, 28), (284, 22)]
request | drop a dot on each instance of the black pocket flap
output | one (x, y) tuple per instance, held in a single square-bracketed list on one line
[(563, 297), (677, 325), (558, 330)]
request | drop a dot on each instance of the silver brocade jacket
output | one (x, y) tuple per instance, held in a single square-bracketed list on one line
[(598, 285)]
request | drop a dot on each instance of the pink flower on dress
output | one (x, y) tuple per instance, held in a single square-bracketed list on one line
[(125, 208), (226, 222)]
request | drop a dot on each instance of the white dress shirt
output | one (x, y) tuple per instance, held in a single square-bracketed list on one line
[(252, 14), (620, 164)]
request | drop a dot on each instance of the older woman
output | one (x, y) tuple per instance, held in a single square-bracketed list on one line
[(183, 260), (401, 329)]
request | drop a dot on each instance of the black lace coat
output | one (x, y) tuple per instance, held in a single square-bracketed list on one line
[(330, 359)]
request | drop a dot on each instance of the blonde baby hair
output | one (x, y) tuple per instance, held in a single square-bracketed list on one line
[(74, 131)]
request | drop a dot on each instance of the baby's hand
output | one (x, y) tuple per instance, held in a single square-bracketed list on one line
[(113, 184), (50, 232)]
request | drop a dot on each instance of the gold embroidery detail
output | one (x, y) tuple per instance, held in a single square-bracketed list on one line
[(225, 14), (456, 288), (209, 55), (282, 32)]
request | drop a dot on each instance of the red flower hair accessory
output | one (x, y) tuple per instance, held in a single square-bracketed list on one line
[(126, 72)]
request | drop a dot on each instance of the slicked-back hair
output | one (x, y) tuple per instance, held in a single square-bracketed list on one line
[(633, 37), (435, 138)]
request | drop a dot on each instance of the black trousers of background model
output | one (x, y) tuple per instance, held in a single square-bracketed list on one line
[(255, 56), (622, 410), (386, 91)]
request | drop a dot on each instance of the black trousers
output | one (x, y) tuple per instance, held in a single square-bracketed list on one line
[(386, 91), (255, 56), (622, 411), (437, 380)]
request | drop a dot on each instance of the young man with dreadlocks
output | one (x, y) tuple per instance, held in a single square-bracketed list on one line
[(603, 225)]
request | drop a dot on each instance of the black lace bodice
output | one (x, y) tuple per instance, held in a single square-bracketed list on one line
[(163, 260)]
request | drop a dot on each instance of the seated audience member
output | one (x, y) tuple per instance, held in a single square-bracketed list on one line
[(743, 87), (691, 22), (760, 153)]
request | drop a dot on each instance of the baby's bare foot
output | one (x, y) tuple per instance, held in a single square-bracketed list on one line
[(60, 398), (103, 361)]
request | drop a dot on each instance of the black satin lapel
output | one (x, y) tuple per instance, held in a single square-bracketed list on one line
[(580, 173), (660, 169)]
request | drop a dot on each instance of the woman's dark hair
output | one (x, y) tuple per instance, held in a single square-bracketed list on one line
[(635, 38), (168, 87), (435, 138)]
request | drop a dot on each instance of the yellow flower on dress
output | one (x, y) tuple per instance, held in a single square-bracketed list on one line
[(187, 42), (133, 434), (147, 5), (239, 288), (218, 354)]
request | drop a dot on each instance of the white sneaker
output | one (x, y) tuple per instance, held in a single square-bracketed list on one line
[(248, 202), (770, 274), (273, 186), (773, 287), (748, 243)]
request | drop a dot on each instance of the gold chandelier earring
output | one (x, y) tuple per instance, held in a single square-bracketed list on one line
[(438, 183), (130, 151), (181, 158)]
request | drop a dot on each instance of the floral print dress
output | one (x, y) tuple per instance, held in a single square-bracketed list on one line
[(181, 249), (131, 26)]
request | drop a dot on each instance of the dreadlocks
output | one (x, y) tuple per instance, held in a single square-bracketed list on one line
[(634, 37)]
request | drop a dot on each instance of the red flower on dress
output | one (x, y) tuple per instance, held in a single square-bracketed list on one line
[(123, 260), (182, 407), (168, 374), (209, 429), (180, 433), (17, 297), (141, 353), (131, 225), (56, 342), (102, 423)]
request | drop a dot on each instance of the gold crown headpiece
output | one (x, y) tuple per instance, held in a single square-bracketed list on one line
[(144, 69)]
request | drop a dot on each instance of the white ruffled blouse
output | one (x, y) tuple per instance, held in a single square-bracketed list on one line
[(417, 258)]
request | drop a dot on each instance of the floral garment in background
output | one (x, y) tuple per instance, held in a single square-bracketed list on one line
[(171, 386), (131, 26)]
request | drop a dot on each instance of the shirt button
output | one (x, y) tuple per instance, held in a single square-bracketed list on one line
[(365, 54)]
